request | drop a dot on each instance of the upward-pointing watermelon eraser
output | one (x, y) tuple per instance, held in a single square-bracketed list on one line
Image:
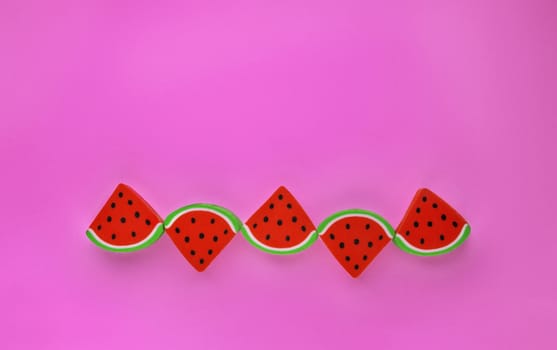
[(280, 225), (125, 223), (430, 226)]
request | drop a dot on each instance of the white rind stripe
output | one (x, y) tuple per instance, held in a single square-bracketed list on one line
[(201, 209), (357, 215), (297, 246), (456, 241), (103, 242)]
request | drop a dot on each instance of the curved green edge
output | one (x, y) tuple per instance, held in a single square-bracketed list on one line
[(221, 210), (126, 249), (328, 220), (258, 245), (408, 248)]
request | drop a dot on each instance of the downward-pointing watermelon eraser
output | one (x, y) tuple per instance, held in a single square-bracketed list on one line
[(125, 223), (430, 226), (280, 225), (355, 237), (201, 231)]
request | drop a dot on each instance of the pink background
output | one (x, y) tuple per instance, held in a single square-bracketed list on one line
[(347, 103)]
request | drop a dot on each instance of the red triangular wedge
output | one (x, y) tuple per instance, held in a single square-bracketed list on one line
[(355, 237), (430, 226), (201, 232), (125, 223), (280, 226)]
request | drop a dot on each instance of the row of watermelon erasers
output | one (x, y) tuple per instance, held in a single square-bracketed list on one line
[(281, 226)]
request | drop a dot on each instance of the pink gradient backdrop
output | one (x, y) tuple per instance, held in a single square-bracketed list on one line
[(347, 103)]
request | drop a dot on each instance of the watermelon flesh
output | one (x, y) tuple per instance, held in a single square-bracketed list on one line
[(431, 226), (355, 237), (280, 226), (201, 232), (125, 223)]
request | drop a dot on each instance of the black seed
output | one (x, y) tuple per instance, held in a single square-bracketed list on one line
[(369, 244), (280, 197), (122, 219), (113, 205), (416, 224), (341, 245), (367, 226), (201, 261), (210, 252), (356, 241), (356, 267), (434, 205), (441, 237), (215, 238), (109, 219), (130, 202), (212, 221), (380, 237), (187, 239), (347, 258), (120, 194), (429, 223), (99, 228), (136, 214), (148, 222), (192, 220), (201, 235), (294, 219), (271, 206), (226, 231), (192, 252), (303, 228), (287, 238), (113, 236), (422, 241), (455, 224), (279, 222), (133, 233), (268, 237), (254, 225), (177, 229), (418, 210), (289, 206), (365, 257), (443, 217), (331, 236), (347, 226), (424, 199), (265, 219), (407, 233)]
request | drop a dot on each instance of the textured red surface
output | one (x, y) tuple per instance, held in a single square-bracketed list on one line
[(280, 222), (355, 242), (430, 222), (200, 236), (126, 218)]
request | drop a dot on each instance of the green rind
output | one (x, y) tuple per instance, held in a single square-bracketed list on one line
[(237, 223), (126, 249), (260, 246), (409, 248), (333, 217)]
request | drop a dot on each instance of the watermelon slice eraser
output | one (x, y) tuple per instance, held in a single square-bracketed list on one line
[(280, 225), (355, 237), (430, 226), (125, 223), (201, 231)]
